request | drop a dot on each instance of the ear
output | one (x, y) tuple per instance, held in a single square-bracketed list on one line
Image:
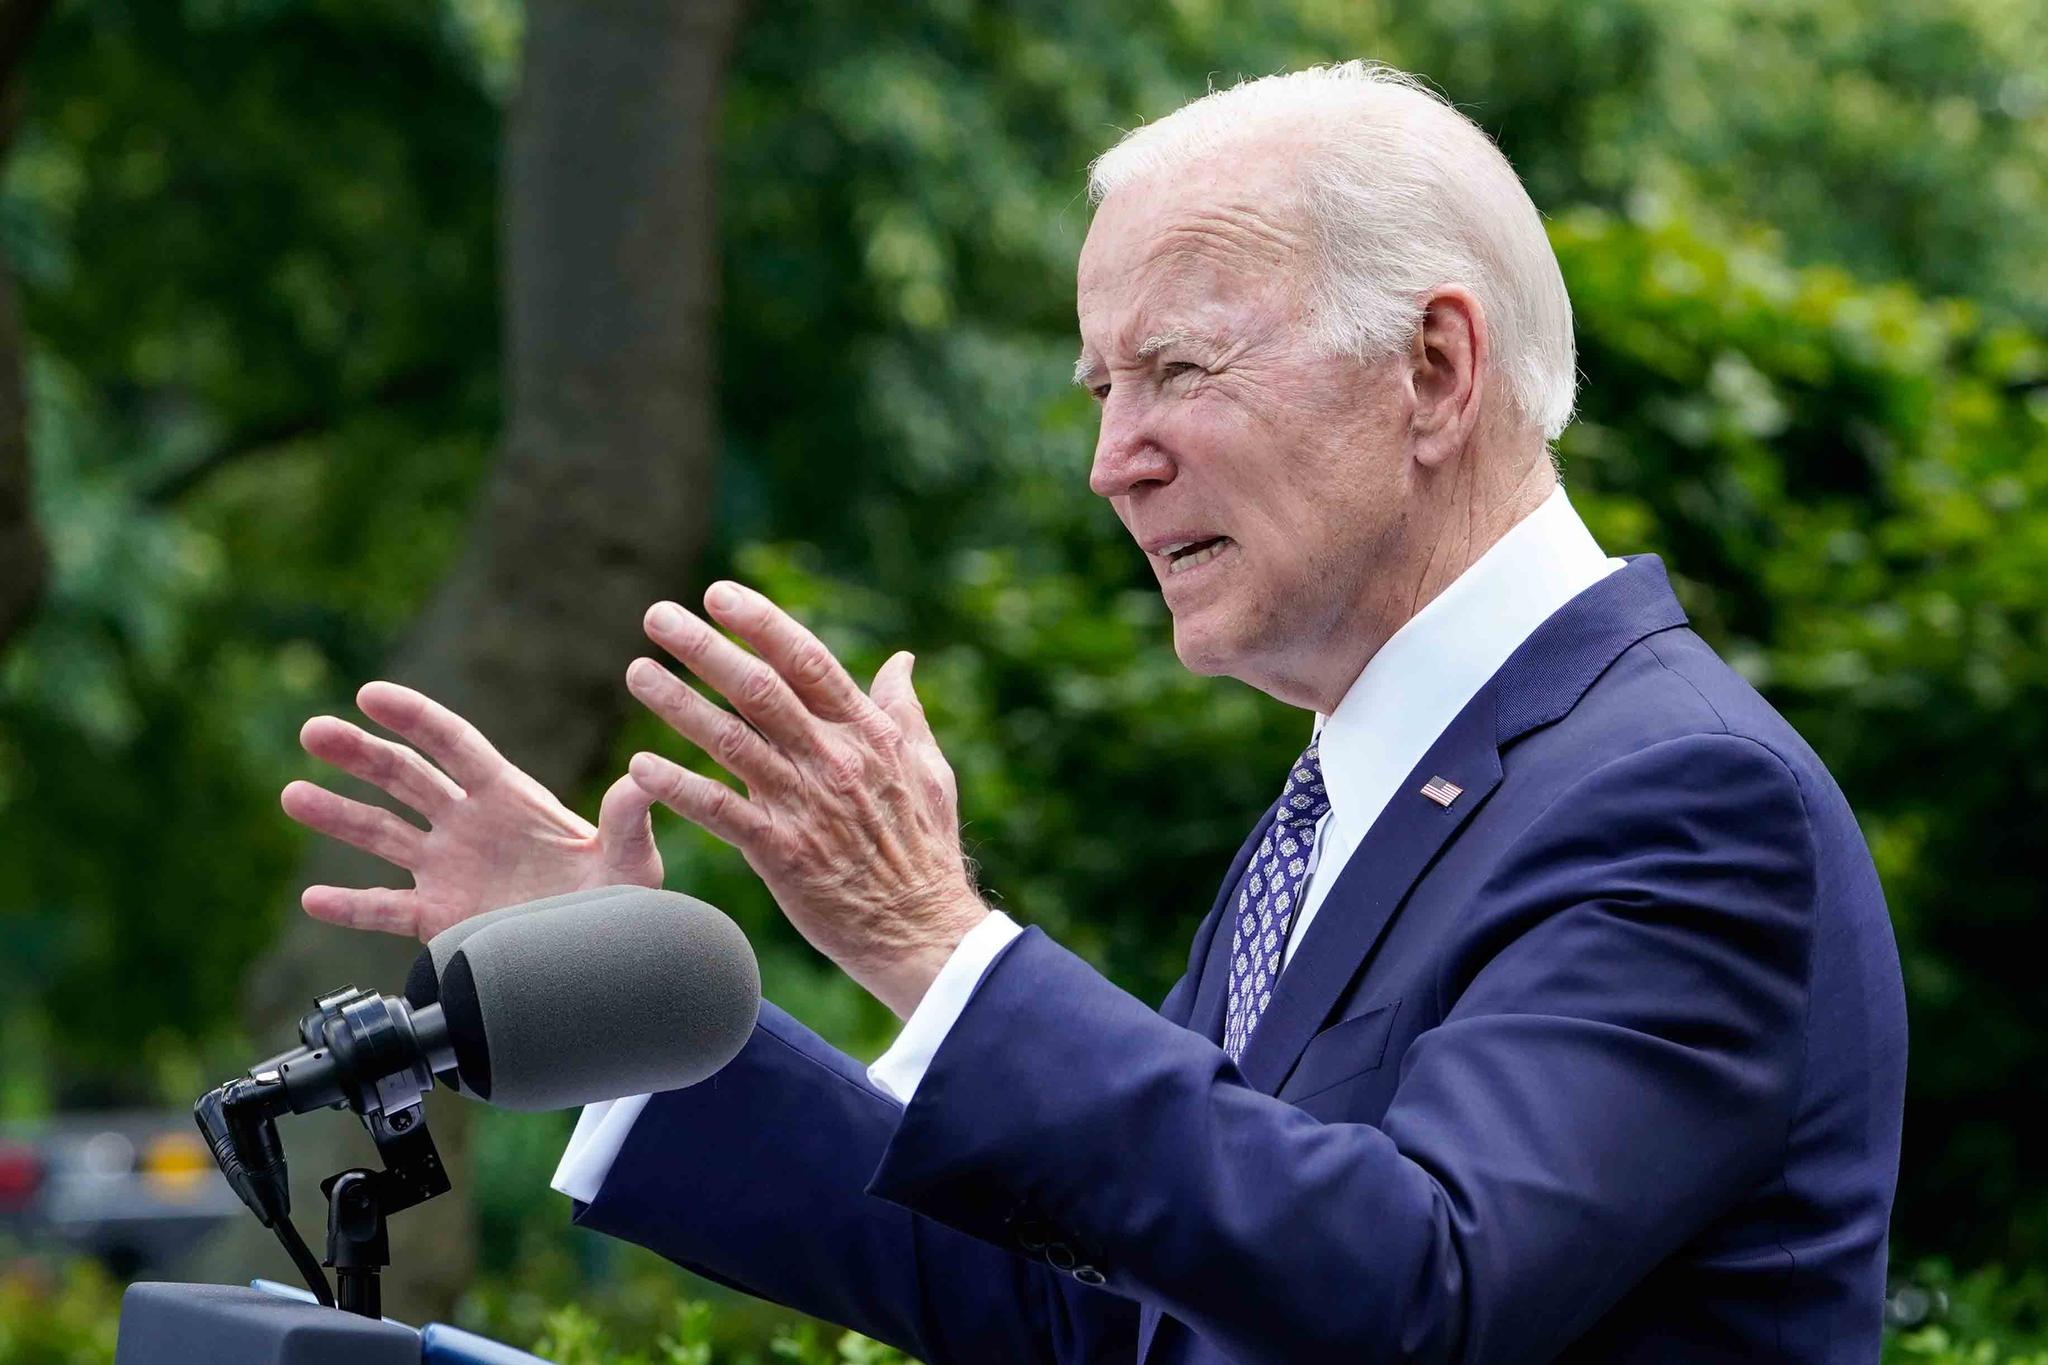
[(1448, 362)]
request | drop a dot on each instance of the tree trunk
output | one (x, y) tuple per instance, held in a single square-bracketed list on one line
[(22, 559), (598, 506)]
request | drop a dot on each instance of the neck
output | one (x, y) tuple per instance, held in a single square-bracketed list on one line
[(1444, 536), (1471, 527)]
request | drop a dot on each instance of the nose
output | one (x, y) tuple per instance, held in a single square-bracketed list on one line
[(1127, 451)]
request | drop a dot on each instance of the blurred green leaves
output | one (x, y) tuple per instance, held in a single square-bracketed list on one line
[(66, 1317)]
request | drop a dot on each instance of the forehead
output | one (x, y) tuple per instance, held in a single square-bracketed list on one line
[(1191, 253)]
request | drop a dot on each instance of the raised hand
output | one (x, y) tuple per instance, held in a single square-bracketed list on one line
[(851, 812), (495, 836)]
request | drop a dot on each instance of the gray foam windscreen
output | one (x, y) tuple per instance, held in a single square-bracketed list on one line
[(423, 982), (593, 999), (442, 946)]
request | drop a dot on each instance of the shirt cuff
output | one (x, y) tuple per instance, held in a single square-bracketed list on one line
[(600, 1132), (898, 1071)]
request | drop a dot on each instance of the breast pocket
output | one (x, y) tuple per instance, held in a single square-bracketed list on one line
[(1344, 1051)]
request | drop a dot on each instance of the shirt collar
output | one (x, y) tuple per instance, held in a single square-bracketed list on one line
[(1412, 689)]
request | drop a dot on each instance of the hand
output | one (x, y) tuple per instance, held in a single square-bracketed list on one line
[(851, 815), (496, 837)]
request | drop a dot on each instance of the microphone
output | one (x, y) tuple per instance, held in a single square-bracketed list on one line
[(550, 1004), (423, 981), (595, 996), (546, 1005)]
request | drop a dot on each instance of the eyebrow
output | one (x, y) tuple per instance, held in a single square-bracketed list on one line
[(1086, 366)]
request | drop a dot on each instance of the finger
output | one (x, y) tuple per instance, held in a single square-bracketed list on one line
[(392, 768), (368, 828), (625, 830), (893, 693), (699, 800), (809, 668), (459, 747), (885, 678), (376, 907), (737, 745), (754, 688)]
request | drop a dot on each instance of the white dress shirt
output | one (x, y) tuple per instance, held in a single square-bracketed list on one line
[(1408, 693)]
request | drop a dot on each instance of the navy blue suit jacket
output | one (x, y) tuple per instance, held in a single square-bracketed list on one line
[(1602, 1062)]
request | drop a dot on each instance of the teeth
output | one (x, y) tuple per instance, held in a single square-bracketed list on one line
[(1176, 547), (1186, 562)]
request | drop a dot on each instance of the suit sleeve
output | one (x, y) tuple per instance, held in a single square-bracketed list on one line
[(1616, 1065), (755, 1179)]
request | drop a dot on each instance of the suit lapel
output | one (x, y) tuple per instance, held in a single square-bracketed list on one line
[(1402, 843), (1541, 681)]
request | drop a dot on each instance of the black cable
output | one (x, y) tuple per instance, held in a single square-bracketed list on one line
[(238, 1122), (302, 1257)]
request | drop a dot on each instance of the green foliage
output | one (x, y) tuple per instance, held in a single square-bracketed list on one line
[(574, 1337), (1989, 1317), (256, 258), (66, 1317), (807, 1345), (1936, 1346), (69, 1318)]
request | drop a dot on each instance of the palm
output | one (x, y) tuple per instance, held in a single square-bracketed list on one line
[(507, 841), (496, 836)]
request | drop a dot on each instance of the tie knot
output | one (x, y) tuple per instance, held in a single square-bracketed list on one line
[(1303, 801)]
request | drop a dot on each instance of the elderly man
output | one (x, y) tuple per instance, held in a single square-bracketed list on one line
[(1551, 1012)]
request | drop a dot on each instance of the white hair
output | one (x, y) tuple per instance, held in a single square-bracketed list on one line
[(1401, 193)]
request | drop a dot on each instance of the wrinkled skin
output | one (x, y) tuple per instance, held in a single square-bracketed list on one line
[(1351, 491)]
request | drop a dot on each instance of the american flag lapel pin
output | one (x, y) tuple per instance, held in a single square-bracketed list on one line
[(1442, 791)]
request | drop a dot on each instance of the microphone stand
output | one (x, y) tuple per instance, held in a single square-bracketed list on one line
[(360, 1200), (176, 1324)]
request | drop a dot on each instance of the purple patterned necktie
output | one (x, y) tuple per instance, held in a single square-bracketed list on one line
[(1273, 884)]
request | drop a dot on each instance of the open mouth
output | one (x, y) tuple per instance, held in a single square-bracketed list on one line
[(1197, 552)]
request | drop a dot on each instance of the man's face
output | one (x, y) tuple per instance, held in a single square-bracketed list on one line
[(1262, 480)]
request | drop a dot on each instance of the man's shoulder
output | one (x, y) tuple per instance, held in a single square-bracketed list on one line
[(1671, 688), (1671, 744), (1681, 678)]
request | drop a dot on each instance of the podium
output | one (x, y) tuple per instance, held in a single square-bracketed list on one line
[(186, 1324), (219, 1324)]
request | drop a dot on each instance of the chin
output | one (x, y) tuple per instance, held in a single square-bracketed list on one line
[(1250, 643), (1206, 651)]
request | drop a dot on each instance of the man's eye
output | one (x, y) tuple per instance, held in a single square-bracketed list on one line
[(1178, 369), (1101, 392)]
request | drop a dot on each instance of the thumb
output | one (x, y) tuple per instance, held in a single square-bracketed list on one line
[(892, 691), (625, 834)]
